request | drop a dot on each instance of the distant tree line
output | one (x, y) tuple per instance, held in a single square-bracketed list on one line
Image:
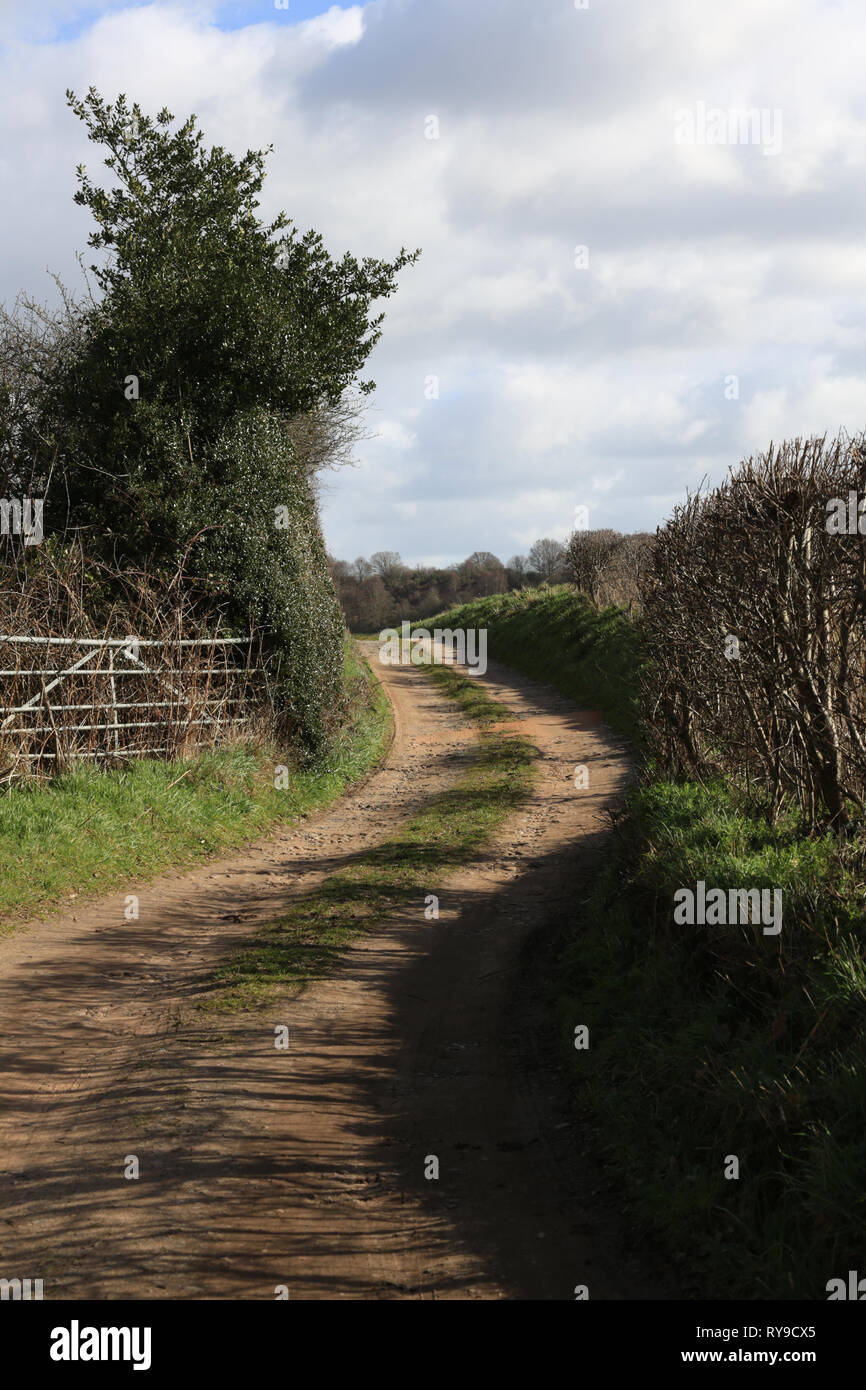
[(382, 590)]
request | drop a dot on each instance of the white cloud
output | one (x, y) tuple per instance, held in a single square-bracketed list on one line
[(556, 129), (395, 435)]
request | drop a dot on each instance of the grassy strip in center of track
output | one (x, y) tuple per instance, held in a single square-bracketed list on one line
[(304, 943)]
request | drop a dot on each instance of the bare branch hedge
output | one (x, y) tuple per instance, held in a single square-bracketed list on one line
[(754, 601)]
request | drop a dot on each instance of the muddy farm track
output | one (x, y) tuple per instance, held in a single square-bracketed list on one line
[(305, 1167)]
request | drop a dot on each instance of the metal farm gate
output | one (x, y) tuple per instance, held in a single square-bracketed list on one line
[(64, 699)]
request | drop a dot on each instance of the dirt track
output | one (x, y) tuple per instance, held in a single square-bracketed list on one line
[(305, 1168)]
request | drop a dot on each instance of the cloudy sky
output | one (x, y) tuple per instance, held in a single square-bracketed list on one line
[(624, 288)]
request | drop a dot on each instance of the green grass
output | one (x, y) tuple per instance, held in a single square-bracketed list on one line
[(710, 1041), (556, 635), (395, 876), (90, 831)]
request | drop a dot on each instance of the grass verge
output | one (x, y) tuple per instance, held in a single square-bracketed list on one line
[(89, 831), (556, 635), (716, 1041), (305, 942)]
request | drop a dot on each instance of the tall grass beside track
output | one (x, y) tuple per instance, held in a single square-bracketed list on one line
[(556, 635), (717, 1041)]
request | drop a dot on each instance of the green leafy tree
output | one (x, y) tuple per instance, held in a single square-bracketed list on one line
[(170, 428)]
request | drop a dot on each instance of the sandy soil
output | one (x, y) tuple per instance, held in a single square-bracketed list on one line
[(305, 1168)]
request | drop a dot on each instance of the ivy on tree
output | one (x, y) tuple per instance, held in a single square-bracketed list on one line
[(233, 327)]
